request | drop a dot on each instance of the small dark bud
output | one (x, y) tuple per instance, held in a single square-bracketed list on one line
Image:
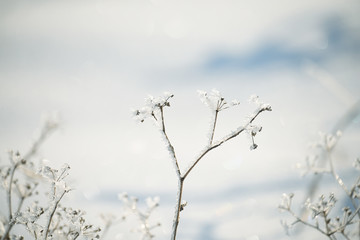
[(253, 147)]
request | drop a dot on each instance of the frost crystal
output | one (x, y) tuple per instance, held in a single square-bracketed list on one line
[(152, 202), (152, 107), (131, 203), (327, 141), (261, 105), (254, 99), (322, 207), (215, 101), (286, 201)]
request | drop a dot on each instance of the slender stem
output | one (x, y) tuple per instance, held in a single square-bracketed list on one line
[(170, 146), (298, 219), (77, 235), (47, 229), (340, 181), (178, 172), (225, 139), (336, 176), (177, 209), (327, 227), (9, 200), (213, 127), (211, 146), (342, 228), (10, 188)]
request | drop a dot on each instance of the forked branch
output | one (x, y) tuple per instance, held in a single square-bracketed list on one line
[(155, 110)]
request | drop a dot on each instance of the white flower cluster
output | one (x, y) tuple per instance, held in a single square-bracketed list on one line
[(322, 207), (153, 107), (60, 222), (327, 141), (215, 101), (286, 201), (319, 151), (321, 217), (70, 224), (131, 204), (252, 130), (322, 213), (261, 105), (31, 214), (56, 178)]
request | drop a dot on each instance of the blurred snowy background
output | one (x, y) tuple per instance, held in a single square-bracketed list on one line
[(93, 61)]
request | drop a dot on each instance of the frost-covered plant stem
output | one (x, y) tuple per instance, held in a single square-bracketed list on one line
[(178, 173), (178, 209), (51, 214), (340, 181), (208, 149), (332, 226), (213, 127), (170, 146), (349, 194), (9, 199), (225, 139), (155, 110)]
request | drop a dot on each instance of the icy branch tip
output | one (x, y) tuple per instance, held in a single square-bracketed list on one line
[(152, 108), (266, 107), (263, 106), (215, 101)]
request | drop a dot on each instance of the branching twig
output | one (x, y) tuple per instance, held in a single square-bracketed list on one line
[(233, 134), (11, 221), (216, 104), (170, 146), (52, 212)]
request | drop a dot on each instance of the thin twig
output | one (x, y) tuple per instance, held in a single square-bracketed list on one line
[(208, 149), (47, 228), (211, 145), (9, 200), (213, 127), (348, 222), (170, 146), (225, 139), (340, 181), (178, 209), (298, 219)]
